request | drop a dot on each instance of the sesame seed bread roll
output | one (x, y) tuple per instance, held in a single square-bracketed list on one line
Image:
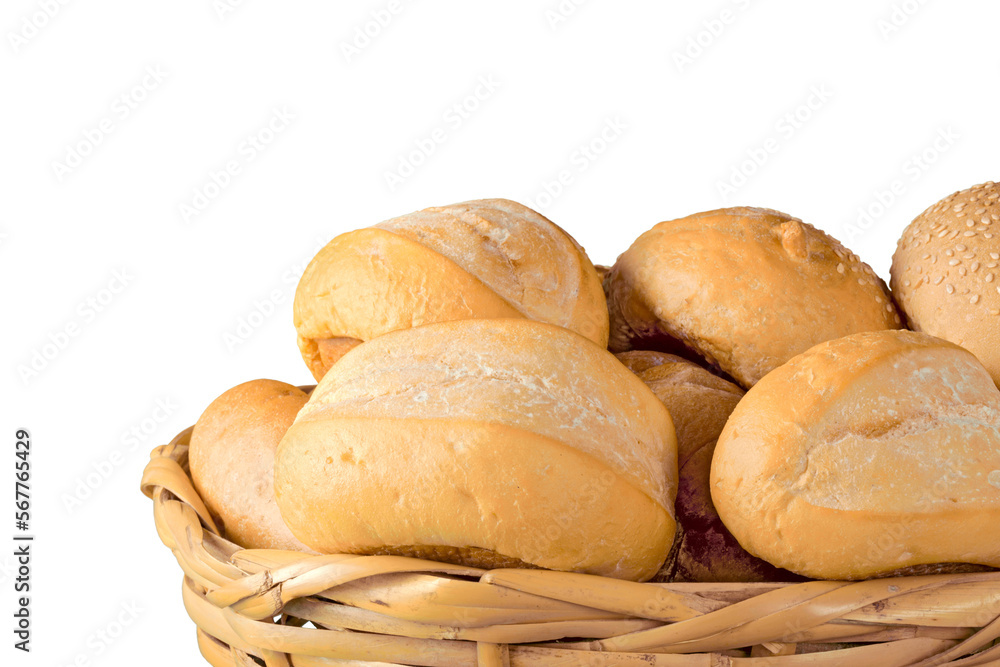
[(864, 455), (946, 272), (474, 441), (743, 290), (491, 258), (231, 458)]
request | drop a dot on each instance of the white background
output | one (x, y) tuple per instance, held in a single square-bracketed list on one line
[(677, 129)]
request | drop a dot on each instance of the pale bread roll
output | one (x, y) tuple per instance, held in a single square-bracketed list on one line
[(485, 442), (946, 272), (866, 454), (741, 289), (231, 458), (490, 258), (699, 404)]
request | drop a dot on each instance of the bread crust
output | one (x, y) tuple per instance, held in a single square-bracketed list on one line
[(946, 272), (231, 459), (478, 433), (489, 258), (699, 404), (866, 454), (742, 290)]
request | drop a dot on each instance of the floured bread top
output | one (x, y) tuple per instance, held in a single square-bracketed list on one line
[(913, 425), (884, 422), (864, 455), (520, 373), (522, 256), (486, 258)]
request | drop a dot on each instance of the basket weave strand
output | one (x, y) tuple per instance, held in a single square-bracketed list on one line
[(286, 608)]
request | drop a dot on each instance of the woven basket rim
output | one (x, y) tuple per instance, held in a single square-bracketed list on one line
[(283, 608)]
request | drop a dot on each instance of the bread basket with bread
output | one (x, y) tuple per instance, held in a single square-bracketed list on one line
[(744, 450)]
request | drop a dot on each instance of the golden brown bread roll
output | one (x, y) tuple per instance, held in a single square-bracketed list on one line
[(699, 404), (866, 454), (232, 461), (491, 258), (946, 272), (484, 442), (743, 289)]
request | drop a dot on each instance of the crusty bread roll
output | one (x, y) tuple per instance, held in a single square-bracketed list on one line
[(743, 289), (490, 258), (866, 454), (484, 442), (231, 458), (946, 272), (699, 404)]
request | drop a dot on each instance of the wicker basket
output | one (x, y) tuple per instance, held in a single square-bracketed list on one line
[(282, 608)]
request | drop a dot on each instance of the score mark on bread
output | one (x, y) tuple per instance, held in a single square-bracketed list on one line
[(478, 433), (489, 258), (865, 455)]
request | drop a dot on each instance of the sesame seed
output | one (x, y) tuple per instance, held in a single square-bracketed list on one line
[(969, 255), (906, 283), (974, 300), (961, 247), (954, 262), (939, 280), (950, 289), (989, 277), (970, 234), (949, 253), (840, 268), (975, 266), (995, 255)]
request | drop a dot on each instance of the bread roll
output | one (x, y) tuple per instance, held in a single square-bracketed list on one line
[(743, 289), (480, 259), (231, 458), (492, 443), (946, 272), (866, 454), (699, 404)]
